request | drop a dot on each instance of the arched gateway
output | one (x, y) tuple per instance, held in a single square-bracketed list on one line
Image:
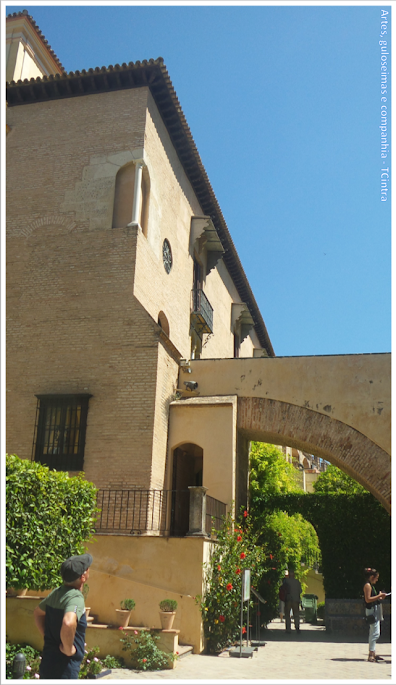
[(336, 407), (281, 423)]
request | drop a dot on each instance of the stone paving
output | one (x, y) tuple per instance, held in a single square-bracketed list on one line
[(309, 654)]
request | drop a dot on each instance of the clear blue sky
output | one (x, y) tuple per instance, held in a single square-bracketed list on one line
[(284, 106)]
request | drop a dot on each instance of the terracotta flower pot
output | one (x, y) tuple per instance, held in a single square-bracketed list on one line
[(167, 618), (16, 592), (122, 618)]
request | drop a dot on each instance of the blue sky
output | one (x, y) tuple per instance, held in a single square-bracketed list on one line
[(284, 105)]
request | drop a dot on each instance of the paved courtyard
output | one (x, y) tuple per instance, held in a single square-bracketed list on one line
[(307, 655)]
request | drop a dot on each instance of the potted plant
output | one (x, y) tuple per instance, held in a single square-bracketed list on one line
[(16, 592), (167, 613), (124, 614)]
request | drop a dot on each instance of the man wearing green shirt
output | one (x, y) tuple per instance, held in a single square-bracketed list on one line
[(61, 620)]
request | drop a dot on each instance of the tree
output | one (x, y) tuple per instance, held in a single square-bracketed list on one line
[(50, 517), (288, 538), (270, 473), (333, 480)]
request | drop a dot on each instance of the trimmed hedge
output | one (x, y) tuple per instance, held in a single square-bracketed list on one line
[(50, 516), (354, 532)]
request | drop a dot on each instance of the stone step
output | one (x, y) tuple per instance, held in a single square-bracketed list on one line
[(184, 650)]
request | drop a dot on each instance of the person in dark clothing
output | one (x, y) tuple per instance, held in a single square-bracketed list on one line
[(61, 619)]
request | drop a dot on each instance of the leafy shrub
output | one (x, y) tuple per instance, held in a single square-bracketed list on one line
[(321, 610), (168, 605), (344, 523), (33, 658), (50, 516), (113, 661), (288, 538), (144, 652), (91, 664), (235, 551), (128, 604)]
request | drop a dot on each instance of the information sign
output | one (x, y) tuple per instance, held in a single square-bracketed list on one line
[(246, 585)]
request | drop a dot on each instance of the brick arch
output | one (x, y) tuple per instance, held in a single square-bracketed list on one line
[(281, 423)]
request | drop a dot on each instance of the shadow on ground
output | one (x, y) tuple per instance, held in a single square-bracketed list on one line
[(275, 632)]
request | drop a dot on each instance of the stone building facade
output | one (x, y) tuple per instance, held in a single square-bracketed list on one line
[(119, 266), (116, 269)]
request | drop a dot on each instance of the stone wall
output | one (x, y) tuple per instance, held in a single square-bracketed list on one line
[(348, 616)]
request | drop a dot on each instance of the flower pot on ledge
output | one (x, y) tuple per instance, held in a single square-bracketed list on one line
[(167, 618), (16, 592), (122, 618)]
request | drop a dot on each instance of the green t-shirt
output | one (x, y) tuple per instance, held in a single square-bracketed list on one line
[(65, 598)]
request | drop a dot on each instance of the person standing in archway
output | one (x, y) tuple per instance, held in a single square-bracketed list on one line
[(373, 610), (293, 599)]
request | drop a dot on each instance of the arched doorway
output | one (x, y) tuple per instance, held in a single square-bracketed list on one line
[(187, 470)]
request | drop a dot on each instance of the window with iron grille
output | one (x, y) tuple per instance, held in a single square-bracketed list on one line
[(60, 431)]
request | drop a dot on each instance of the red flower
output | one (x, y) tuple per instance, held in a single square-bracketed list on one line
[(219, 568), (144, 660), (120, 628), (271, 557), (229, 586), (243, 555), (245, 514), (221, 618), (238, 570), (239, 538), (243, 630)]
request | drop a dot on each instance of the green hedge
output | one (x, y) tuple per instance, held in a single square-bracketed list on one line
[(353, 531), (50, 517)]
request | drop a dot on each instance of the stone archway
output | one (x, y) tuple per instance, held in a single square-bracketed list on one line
[(281, 423)]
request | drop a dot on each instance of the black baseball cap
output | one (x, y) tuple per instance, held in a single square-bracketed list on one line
[(74, 567)]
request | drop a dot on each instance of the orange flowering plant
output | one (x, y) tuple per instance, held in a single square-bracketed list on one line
[(234, 551)]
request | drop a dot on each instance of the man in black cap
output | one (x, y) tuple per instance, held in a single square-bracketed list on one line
[(61, 620)]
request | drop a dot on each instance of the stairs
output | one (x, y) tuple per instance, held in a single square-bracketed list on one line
[(184, 650)]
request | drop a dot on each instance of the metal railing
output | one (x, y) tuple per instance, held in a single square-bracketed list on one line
[(156, 512), (215, 513), (201, 311)]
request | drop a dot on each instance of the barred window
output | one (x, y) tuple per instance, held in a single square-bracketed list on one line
[(60, 431)]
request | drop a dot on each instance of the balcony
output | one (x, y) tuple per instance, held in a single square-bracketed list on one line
[(201, 312), (170, 513)]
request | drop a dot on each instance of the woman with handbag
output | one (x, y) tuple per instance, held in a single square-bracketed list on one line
[(373, 610)]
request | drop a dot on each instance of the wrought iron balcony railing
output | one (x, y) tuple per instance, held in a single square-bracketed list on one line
[(201, 312), (155, 512)]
